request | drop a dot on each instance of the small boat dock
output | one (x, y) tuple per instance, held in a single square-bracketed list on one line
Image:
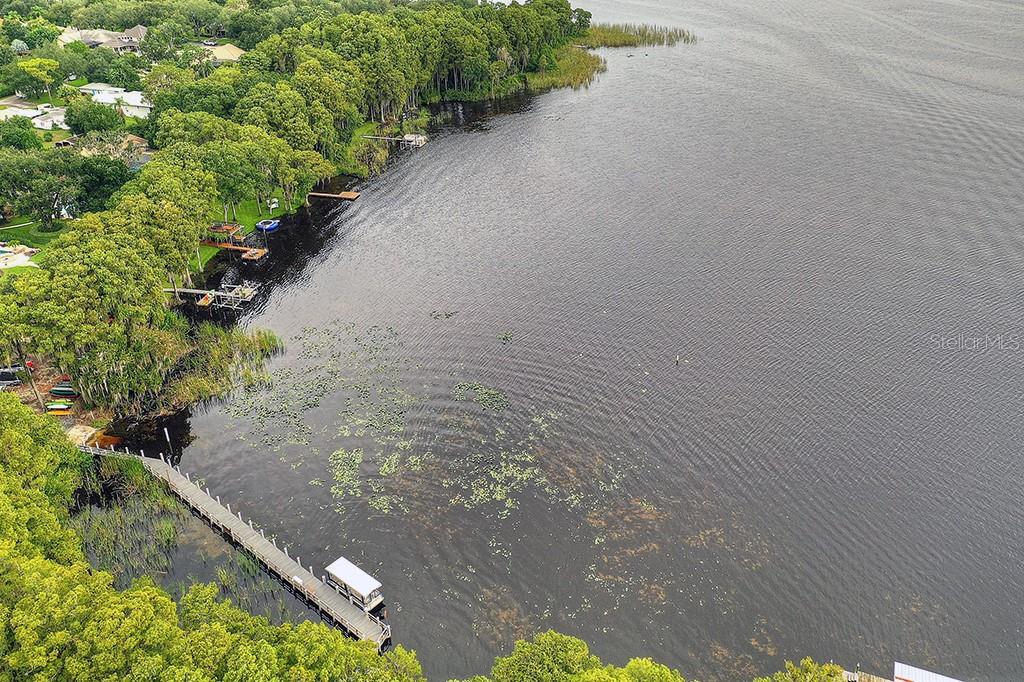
[(248, 252), (330, 604), (228, 296), (413, 140), (231, 236)]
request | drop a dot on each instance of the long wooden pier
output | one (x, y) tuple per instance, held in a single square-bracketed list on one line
[(347, 196), (332, 606)]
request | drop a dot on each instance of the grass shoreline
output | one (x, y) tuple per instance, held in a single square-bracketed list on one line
[(634, 35)]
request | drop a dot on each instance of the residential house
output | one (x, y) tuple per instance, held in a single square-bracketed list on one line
[(132, 149), (93, 89), (130, 103), (118, 41), (50, 119), (223, 54)]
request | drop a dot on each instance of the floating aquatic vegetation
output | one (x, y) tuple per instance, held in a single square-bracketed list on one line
[(491, 454), (442, 314), (485, 396), (344, 466)]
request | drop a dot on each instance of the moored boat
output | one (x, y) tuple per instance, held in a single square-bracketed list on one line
[(268, 225)]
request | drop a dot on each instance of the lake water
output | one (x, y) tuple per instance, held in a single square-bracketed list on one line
[(716, 361)]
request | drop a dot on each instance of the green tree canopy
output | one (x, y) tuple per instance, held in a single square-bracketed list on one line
[(17, 132), (82, 115)]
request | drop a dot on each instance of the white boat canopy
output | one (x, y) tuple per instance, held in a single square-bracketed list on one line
[(347, 573), (908, 673)]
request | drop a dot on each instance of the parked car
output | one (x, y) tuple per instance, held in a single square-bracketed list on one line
[(9, 379)]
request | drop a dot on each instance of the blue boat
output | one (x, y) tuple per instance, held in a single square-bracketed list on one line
[(268, 225)]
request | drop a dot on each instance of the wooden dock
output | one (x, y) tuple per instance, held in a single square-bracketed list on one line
[(248, 252), (228, 296), (347, 196), (330, 604)]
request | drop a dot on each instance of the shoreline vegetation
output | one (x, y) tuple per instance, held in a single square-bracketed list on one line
[(634, 35)]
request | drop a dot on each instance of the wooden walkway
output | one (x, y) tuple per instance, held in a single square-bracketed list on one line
[(248, 252), (347, 196), (332, 606)]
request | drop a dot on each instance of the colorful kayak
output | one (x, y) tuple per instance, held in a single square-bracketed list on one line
[(64, 392), (268, 225)]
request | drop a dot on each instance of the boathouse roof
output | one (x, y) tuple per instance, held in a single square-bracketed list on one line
[(344, 571)]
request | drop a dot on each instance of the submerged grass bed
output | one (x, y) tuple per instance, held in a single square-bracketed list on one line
[(130, 523), (132, 527), (634, 35)]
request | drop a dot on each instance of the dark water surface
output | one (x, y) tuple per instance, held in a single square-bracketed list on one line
[(808, 208)]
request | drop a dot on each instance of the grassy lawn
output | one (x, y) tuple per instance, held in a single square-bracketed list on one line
[(15, 270), (56, 135), (24, 230), (43, 99), (247, 217), (78, 82), (206, 253)]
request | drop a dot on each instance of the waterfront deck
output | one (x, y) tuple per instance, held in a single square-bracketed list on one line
[(325, 600)]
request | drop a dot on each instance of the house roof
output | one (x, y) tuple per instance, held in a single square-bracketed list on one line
[(100, 87), (117, 44), (11, 112), (138, 31), (131, 98), (86, 35), (225, 53), (344, 571), (99, 36)]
